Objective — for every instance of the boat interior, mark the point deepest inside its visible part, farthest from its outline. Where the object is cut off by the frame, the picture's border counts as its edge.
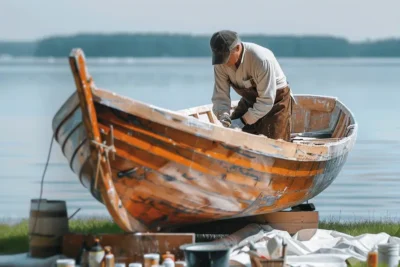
(316, 120)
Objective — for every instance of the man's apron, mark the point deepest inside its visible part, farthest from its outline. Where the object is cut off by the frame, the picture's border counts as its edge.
(277, 123)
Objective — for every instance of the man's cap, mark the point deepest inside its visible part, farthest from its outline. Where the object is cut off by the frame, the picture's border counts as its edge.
(222, 42)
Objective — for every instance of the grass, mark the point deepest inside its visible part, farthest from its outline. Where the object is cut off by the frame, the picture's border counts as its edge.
(363, 227)
(14, 238)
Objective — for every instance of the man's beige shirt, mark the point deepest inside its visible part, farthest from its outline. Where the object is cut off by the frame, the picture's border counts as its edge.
(259, 63)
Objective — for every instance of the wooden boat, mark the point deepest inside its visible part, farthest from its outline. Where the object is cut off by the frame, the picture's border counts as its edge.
(152, 167)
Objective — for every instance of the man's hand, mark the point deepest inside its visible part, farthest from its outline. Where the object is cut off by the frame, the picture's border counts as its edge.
(248, 128)
(225, 119)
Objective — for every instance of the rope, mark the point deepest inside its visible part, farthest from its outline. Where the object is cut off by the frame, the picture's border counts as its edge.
(42, 181)
(73, 214)
(97, 169)
(106, 149)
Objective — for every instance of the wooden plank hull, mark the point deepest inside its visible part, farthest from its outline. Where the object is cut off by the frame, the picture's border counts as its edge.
(171, 168)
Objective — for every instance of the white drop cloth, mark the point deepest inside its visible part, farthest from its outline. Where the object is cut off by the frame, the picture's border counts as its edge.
(23, 260)
(317, 247)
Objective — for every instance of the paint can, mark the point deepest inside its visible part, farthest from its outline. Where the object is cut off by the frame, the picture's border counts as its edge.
(388, 255)
(109, 260)
(151, 259)
(206, 254)
(180, 264)
(168, 255)
(65, 263)
(168, 262)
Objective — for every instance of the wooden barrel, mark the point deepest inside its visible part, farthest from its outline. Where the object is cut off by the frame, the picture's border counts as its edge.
(46, 234)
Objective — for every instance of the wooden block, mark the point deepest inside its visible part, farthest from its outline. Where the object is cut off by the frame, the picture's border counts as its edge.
(259, 262)
(290, 221)
(292, 216)
(130, 248)
(293, 228)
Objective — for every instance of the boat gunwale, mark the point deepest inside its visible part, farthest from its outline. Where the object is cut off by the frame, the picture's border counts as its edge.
(180, 121)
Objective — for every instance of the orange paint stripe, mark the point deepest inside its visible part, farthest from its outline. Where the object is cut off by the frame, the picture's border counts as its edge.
(123, 154)
(160, 152)
(240, 162)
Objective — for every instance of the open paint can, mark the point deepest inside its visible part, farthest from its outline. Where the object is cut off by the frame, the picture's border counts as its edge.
(206, 254)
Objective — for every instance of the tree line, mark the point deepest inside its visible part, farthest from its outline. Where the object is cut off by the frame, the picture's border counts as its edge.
(185, 45)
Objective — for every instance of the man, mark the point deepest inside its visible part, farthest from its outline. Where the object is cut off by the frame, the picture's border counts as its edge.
(255, 74)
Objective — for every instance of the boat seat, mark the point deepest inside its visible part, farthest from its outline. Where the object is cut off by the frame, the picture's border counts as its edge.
(319, 134)
(314, 141)
(320, 137)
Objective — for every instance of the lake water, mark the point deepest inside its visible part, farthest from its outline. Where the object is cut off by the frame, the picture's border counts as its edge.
(32, 90)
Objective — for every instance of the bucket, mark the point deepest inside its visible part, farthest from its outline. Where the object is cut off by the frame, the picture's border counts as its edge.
(46, 234)
(388, 255)
(206, 254)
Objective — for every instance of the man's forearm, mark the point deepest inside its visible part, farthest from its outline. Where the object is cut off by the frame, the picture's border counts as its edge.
(221, 96)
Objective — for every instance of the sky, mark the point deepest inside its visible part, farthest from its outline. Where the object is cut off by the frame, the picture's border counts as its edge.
(355, 20)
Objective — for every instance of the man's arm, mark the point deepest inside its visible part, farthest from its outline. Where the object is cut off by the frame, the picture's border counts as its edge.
(264, 77)
(221, 98)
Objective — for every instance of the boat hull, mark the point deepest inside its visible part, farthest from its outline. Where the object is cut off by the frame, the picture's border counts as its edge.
(166, 177)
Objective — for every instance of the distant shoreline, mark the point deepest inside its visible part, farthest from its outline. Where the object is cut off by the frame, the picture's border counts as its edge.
(194, 46)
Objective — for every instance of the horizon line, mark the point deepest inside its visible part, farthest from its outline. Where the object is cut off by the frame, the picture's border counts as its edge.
(59, 35)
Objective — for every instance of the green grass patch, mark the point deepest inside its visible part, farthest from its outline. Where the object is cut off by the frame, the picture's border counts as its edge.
(94, 226)
(14, 237)
(363, 227)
